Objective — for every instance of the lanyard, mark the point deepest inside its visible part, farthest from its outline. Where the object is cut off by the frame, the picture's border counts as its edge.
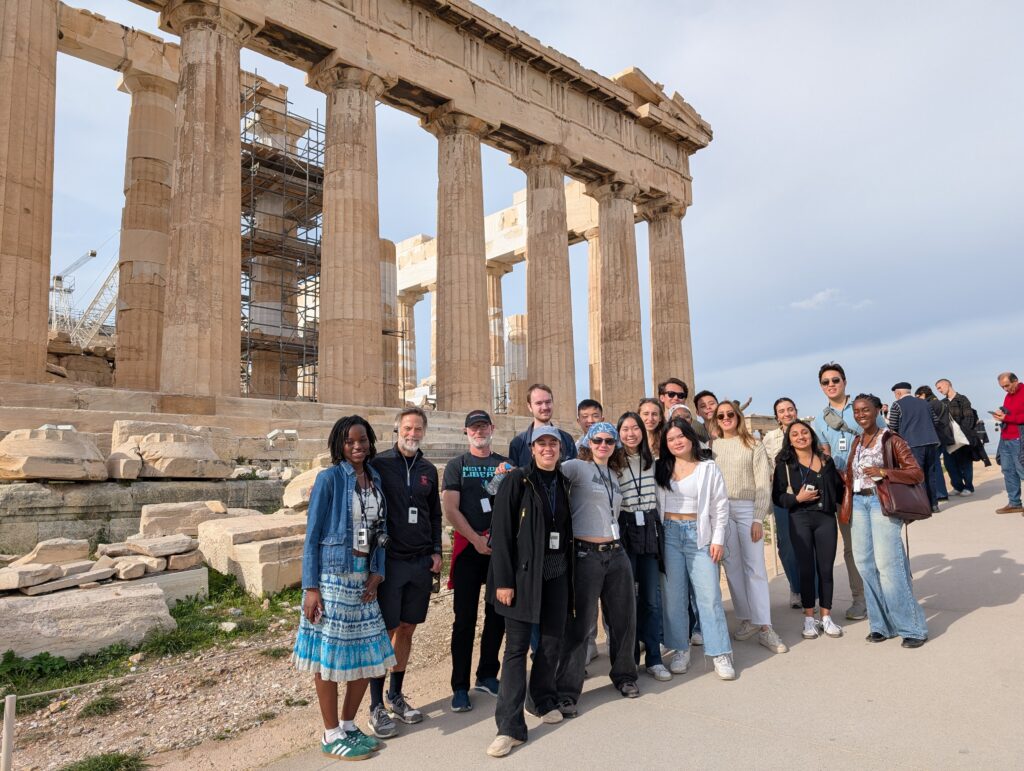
(637, 482)
(408, 475)
(607, 485)
(364, 495)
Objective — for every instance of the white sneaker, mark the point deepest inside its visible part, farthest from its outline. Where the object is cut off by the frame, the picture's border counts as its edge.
(810, 628)
(680, 662)
(746, 630)
(659, 672)
(830, 627)
(552, 717)
(966, 493)
(502, 746)
(795, 601)
(955, 492)
(770, 640)
(724, 668)
(696, 639)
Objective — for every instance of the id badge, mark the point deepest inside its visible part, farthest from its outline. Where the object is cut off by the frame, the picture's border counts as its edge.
(485, 505)
(554, 540)
(843, 443)
(414, 515)
(615, 530)
(639, 519)
(363, 538)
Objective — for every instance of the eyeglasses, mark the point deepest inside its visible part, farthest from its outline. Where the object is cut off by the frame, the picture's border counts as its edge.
(726, 416)
(602, 440)
(833, 381)
(674, 394)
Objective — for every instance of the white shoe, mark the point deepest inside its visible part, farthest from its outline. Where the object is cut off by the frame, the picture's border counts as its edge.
(810, 628)
(552, 717)
(746, 630)
(830, 627)
(795, 601)
(696, 639)
(502, 746)
(966, 493)
(680, 662)
(659, 672)
(724, 668)
(770, 640)
(956, 492)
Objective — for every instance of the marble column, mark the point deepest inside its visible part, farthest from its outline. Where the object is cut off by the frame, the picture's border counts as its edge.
(432, 290)
(496, 320)
(671, 347)
(389, 322)
(145, 230)
(407, 346)
(203, 302)
(621, 365)
(593, 236)
(517, 360)
(548, 288)
(28, 74)
(463, 349)
(351, 363)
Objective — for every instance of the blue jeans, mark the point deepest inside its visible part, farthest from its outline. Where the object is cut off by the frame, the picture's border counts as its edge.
(1012, 464)
(686, 565)
(648, 607)
(884, 567)
(787, 554)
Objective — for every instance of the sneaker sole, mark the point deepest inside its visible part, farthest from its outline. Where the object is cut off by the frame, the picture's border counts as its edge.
(726, 677)
(407, 721)
(332, 756)
(745, 637)
(550, 719)
(807, 636)
(381, 734)
(488, 691)
(829, 634)
(515, 743)
(463, 709)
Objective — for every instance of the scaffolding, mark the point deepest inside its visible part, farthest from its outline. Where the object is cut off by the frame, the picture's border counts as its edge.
(281, 217)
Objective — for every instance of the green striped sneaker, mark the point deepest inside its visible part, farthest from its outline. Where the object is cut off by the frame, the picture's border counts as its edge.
(345, 748)
(367, 741)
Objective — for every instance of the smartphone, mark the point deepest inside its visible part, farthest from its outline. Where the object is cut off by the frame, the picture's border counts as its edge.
(811, 488)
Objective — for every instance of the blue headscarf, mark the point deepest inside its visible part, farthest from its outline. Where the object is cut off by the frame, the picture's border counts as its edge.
(601, 428)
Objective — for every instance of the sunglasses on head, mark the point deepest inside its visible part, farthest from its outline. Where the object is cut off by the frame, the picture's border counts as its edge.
(602, 440)
(674, 394)
(726, 415)
(833, 381)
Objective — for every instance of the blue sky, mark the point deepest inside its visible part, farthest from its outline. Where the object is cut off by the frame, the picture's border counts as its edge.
(860, 201)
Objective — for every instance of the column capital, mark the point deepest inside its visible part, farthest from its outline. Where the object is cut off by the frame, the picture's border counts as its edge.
(591, 233)
(329, 75)
(274, 121)
(446, 121)
(411, 296)
(495, 268)
(542, 155)
(181, 15)
(134, 81)
(664, 206)
(612, 187)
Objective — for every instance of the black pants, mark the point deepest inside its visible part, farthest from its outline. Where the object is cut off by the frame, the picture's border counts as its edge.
(604, 576)
(814, 535)
(554, 609)
(469, 574)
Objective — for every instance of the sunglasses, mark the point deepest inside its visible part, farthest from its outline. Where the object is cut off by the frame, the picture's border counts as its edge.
(602, 440)
(674, 394)
(726, 416)
(833, 381)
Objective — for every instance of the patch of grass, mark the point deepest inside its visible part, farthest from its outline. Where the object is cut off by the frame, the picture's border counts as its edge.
(108, 761)
(263, 717)
(275, 653)
(206, 682)
(45, 673)
(101, 706)
(290, 702)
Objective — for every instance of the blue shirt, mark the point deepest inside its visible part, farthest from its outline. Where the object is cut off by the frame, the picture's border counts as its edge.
(834, 438)
(520, 452)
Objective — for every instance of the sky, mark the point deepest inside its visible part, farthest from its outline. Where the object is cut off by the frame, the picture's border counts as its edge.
(860, 201)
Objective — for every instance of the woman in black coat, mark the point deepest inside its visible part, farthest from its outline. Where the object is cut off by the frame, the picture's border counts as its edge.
(807, 484)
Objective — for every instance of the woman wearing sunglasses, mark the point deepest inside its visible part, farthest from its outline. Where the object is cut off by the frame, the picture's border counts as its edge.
(785, 415)
(601, 572)
(748, 479)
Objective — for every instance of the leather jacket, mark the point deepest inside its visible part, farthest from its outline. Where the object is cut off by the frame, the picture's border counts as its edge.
(906, 471)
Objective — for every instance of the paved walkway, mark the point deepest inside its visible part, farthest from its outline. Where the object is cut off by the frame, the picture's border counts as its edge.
(955, 703)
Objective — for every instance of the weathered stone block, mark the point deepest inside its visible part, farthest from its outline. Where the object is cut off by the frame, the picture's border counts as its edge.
(55, 551)
(27, 575)
(127, 571)
(113, 550)
(180, 584)
(69, 582)
(123, 430)
(161, 546)
(72, 624)
(189, 559)
(152, 564)
(296, 494)
(218, 538)
(78, 566)
(173, 518)
(50, 453)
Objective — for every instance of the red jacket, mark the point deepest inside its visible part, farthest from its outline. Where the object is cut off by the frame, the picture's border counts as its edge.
(1013, 406)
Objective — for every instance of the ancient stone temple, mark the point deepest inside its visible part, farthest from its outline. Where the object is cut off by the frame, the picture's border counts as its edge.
(212, 317)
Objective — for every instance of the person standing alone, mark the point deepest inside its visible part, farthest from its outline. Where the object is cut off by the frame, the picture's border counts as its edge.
(1010, 452)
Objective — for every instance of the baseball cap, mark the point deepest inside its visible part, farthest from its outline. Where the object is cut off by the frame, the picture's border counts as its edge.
(545, 431)
(478, 416)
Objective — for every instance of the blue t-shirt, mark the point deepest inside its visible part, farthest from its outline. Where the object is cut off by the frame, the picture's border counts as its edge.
(840, 440)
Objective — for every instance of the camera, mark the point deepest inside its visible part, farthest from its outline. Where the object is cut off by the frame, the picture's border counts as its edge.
(372, 536)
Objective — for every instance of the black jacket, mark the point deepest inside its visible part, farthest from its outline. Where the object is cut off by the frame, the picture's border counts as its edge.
(831, 492)
(407, 484)
(518, 543)
(942, 428)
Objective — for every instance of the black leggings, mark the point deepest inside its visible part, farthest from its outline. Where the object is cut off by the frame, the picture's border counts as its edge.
(814, 536)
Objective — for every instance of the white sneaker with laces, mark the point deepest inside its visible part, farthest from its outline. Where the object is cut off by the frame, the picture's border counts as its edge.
(502, 746)
(680, 662)
(770, 640)
(810, 628)
(724, 668)
(696, 639)
(746, 630)
(830, 627)
(659, 672)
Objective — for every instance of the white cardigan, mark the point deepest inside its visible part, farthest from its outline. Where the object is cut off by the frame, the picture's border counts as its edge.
(712, 504)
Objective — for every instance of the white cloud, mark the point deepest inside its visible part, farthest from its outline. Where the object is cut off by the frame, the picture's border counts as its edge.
(816, 301)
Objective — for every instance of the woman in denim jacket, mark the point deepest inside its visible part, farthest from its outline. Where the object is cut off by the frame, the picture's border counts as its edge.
(341, 632)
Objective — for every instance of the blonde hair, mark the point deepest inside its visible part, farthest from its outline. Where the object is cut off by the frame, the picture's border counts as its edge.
(741, 424)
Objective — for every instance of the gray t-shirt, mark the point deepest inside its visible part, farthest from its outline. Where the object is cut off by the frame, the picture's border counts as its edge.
(595, 499)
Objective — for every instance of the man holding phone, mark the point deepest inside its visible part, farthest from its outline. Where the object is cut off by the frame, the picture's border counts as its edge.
(1010, 450)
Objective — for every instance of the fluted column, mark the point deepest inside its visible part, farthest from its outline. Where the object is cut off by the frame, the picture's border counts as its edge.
(517, 361)
(145, 230)
(28, 74)
(407, 345)
(202, 303)
(496, 321)
(593, 236)
(351, 361)
(621, 364)
(671, 347)
(389, 322)
(463, 375)
(548, 288)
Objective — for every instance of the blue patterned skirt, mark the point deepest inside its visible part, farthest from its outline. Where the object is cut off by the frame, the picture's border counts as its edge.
(350, 642)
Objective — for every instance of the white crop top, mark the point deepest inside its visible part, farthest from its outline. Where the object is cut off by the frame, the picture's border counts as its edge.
(682, 498)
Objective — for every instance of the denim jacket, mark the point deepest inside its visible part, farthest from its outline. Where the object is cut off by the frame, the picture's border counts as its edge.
(329, 536)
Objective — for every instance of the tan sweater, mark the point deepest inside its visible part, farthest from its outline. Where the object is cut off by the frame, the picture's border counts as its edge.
(747, 472)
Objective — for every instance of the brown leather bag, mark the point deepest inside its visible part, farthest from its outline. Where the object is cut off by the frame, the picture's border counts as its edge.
(908, 502)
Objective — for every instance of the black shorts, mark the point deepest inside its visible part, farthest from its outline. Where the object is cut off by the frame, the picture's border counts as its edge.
(404, 594)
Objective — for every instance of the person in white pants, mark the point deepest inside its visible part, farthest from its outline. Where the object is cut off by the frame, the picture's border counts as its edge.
(747, 471)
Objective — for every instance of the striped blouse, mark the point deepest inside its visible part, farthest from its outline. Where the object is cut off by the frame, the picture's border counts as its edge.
(639, 491)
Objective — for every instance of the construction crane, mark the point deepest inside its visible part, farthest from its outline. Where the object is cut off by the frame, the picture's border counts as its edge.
(61, 289)
(98, 311)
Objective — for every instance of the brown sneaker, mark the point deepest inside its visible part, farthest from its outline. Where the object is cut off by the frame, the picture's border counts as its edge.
(1010, 510)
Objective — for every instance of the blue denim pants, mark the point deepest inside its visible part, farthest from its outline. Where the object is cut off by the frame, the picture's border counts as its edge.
(787, 554)
(883, 564)
(686, 565)
(1012, 464)
(648, 607)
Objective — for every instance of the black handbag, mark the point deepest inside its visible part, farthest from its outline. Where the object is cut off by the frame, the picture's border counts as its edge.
(901, 501)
